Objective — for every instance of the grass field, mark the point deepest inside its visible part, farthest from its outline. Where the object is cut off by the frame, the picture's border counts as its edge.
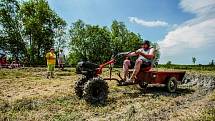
(26, 94)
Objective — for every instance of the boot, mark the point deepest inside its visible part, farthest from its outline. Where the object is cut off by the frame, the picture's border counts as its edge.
(48, 74)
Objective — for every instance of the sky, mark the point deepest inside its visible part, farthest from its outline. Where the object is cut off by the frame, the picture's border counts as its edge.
(183, 28)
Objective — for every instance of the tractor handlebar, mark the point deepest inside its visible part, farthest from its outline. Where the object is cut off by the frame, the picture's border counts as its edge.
(119, 54)
(112, 61)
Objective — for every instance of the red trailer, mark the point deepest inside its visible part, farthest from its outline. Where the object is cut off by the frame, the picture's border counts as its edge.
(170, 78)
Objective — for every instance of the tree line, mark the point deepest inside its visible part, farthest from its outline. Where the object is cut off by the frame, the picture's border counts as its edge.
(97, 44)
(29, 29)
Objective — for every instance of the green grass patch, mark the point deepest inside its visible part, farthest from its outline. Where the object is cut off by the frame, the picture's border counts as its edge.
(212, 97)
(208, 115)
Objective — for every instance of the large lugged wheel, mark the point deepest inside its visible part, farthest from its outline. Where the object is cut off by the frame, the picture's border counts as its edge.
(171, 84)
(79, 86)
(96, 91)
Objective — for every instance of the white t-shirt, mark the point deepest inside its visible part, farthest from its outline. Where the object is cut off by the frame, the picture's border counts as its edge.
(61, 55)
(150, 51)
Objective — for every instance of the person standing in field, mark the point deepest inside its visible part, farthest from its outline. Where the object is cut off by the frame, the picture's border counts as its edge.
(61, 59)
(51, 60)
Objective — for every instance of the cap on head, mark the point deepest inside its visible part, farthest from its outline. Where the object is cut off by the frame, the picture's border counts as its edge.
(52, 48)
(146, 42)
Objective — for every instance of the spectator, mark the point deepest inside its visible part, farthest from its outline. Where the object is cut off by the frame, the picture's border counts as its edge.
(51, 60)
(61, 59)
(15, 63)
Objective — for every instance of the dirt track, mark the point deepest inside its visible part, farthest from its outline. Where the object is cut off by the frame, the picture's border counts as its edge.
(26, 95)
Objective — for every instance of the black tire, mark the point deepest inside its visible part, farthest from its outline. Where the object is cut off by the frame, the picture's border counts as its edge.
(96, 91)
(171, 84)
(79, 86)
(143, 85)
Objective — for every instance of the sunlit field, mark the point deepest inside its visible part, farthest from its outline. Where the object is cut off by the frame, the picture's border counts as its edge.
(91, 35)
(26, 94)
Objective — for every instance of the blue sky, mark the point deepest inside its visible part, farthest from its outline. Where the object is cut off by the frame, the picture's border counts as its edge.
(156, 20)
(103, 12)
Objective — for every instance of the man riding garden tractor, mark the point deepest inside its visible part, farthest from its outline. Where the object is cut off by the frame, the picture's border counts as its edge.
(94, 89)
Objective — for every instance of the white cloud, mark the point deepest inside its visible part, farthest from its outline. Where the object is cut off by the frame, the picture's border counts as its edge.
(199, 7)
(194, 37)
(145, 23)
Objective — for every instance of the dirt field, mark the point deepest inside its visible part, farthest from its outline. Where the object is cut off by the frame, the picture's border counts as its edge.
(26, 94)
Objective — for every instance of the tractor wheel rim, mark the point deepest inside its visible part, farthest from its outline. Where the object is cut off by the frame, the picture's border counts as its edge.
(172, 85)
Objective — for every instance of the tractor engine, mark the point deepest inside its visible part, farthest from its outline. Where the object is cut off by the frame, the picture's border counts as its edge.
(87, 69)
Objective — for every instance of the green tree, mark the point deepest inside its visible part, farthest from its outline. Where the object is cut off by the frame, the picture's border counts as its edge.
(168, 63)
(118, 32)
(89, 42)
(77, 41)
(97, 44)
(194, 60)
(123, 40)
(211, 63)
(60, 39)
(41, 26)
(10, 29)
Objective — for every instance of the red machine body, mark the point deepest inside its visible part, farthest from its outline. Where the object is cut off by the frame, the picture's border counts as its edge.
(147, 75)
(159, 77)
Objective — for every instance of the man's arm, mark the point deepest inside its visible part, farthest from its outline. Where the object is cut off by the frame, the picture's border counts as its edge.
(148, 56)
(132, 54)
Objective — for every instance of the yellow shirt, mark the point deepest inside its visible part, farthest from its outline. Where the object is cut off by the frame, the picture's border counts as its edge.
(51, 58)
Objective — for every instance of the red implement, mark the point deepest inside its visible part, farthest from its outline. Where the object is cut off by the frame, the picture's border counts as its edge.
(159, 77)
